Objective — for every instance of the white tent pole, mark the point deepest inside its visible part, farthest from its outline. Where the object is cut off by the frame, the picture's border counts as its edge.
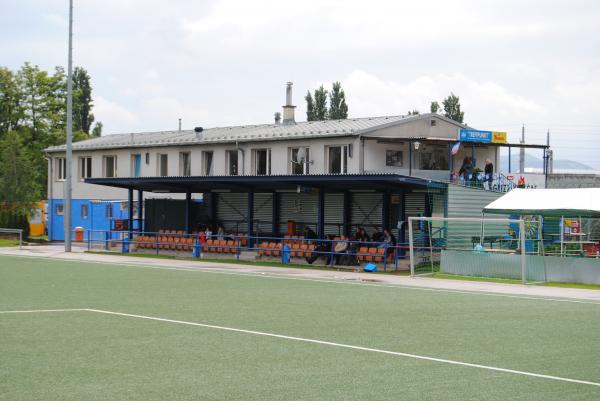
(411, 252)
(482, 229)
(562, 233)
(522, 241)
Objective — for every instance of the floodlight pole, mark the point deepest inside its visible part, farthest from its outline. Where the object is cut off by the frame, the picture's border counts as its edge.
(69, 155)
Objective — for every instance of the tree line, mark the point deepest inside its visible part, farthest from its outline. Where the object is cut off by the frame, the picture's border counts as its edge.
(317, 109)
(33, 116)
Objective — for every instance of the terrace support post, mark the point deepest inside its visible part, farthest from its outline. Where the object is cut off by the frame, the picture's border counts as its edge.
(212, 213)
(509, 161)
(403, 222)
(275, 214)
(250, 217)
(473, 155)
(188, 214)
(347, 213)
(450, 161)
(140, 210)
(385, 210)
(130, 210)
(410, 158)
(321, 215)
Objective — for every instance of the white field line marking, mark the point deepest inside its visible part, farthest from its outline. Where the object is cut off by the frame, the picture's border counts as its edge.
(43, 311)
(354, 347)
(282, 276)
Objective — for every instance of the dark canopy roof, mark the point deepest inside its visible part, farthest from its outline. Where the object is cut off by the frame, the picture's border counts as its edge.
(267, 183)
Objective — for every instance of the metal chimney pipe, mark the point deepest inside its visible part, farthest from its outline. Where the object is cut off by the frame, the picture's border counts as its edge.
(288, 109)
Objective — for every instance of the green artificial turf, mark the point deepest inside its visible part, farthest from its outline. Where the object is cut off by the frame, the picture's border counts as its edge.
(269, 263)
(89, 356)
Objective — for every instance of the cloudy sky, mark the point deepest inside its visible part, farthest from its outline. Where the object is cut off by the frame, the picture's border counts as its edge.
(225, 62)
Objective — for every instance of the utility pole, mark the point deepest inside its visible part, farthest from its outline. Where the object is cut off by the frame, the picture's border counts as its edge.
(522, 151)
(69, 155)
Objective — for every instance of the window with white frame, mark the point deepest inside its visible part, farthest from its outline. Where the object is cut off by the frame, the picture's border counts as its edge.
(59, 209)
(207, 163)
(110, 166)
(61, 168)
(299, 160)
(232, 162)
(393, 158)
(337, 159)
(162, 160)
(262, 161)
(85, 167)
(185, 164)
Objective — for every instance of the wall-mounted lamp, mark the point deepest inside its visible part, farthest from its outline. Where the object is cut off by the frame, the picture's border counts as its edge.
(417, 144)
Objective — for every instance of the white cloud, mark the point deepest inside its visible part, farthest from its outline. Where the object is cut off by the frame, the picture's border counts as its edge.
(165, 112)
(582, 96)
(56, 19)
(113, 115)
(482, 101)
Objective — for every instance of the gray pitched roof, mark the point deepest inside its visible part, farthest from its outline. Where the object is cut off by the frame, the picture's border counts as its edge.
(242, 133)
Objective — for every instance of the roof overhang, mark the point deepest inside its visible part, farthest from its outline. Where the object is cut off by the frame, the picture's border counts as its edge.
(390, 139)
(269, 183)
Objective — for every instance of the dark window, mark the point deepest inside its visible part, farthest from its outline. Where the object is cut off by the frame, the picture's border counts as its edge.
(84, 212)
(163, 165)
(110, 166)
(263, 161)
(434, 158)
(393, 158)
(185, 164)
(299, 160)
(60, 209)
(207, 168)
(85, 167)
(232, 162)
(338, 159)
(61, 168)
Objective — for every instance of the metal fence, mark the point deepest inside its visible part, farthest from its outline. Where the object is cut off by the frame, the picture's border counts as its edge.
(17, 231)
(336, 252)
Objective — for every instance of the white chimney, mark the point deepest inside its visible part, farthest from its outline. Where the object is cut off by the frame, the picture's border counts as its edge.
(288, 109)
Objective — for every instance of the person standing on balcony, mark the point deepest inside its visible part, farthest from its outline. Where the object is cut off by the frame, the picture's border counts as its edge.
(466, 170)
(489, 173)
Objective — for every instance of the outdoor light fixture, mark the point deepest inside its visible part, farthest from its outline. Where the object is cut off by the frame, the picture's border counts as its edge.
(417, 144)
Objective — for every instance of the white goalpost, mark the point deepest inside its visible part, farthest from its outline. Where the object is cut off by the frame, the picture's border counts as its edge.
(480, 247)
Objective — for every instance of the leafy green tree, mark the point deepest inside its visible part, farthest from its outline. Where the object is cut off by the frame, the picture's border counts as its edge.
(11, 98)
(82, 101)
(338, 109)
(434, 108)
(18, 181)
(33, 106)
(310, 107)
(321, 104)
(413, 113)
(452, 108)
(97, 131)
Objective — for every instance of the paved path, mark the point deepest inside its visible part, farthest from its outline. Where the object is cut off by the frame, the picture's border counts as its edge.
(57, 252)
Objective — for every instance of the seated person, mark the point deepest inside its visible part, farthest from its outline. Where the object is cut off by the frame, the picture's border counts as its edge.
(377, 235)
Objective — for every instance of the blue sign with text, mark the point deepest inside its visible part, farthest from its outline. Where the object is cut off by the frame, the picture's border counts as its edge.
(472, 135)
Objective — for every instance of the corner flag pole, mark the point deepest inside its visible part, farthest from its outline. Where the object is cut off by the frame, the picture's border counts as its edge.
(69, 155)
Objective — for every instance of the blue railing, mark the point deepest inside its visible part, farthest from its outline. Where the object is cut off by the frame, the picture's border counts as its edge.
(337, 252)
(498, 182)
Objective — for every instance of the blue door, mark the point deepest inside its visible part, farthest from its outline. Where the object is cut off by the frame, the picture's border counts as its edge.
(137, 164)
